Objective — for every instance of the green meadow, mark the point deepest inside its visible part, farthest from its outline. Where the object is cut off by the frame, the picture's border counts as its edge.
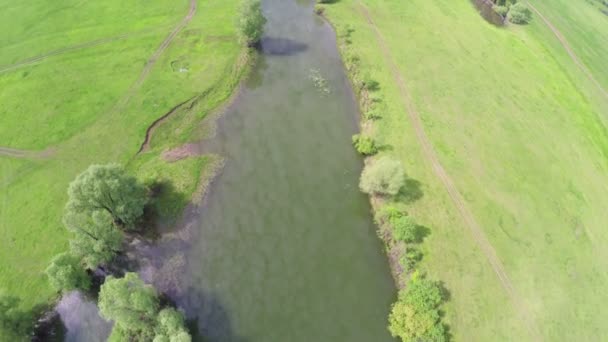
(519, 129)
(90, 102)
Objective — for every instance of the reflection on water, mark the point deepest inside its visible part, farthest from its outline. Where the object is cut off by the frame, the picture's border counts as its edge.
(81, 319)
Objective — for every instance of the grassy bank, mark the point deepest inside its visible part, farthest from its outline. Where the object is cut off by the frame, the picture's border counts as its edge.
(520, 134)
(93, 105)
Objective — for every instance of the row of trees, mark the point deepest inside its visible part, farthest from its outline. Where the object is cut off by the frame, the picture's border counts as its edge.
(104, 203)
(415, 315)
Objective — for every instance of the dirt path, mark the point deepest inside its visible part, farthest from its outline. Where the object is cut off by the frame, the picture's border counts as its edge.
(92, 43)
(457, 199)
(16, 153)
(569, 50)
(159, 51)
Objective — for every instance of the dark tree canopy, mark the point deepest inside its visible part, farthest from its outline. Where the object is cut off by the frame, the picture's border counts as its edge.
(15, 324)
(110, 189)
(66, 273)
(95, 239)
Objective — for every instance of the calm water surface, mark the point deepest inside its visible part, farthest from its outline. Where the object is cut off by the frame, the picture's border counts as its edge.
(284, 248)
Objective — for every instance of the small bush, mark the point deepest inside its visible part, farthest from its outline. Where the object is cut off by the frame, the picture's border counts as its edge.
(372, 114)
(387, 213)
(404, 228)
(410, 259)
(519, 14)
(365, 145)
(66, 273)
(251, 22)
(384, 176)
(501, 10)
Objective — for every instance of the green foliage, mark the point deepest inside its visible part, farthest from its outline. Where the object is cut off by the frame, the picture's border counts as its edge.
(365, 145)
(372, 114)
(501, 10)
(415, 316)
(134, 308)
(108, 188)
(66, 273)
(251, 22)
(95, 239)
(519, 14)
(387, 213)
(409, 260)
(384, 176)
(15, 324)
(170, 327)
(404, 228)
(131, 304)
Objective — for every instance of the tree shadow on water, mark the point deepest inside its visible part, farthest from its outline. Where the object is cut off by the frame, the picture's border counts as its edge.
(277, 46)
(208, 319)
(410, 192)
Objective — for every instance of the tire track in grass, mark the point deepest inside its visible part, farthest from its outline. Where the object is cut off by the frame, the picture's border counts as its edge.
(16, 153)
(32, 60)
(431, 157)
(569, 50)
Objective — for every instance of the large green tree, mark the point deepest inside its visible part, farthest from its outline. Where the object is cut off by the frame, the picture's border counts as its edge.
(66, 273)
(251, 22)
(108, 188)
(131, 304)
(95, 239)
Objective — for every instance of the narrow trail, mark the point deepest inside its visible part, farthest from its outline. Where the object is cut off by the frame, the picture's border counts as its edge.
(145, 146)
(16, 153)
(569, 50)
(154, 58)
(32, 60)
(457, 199)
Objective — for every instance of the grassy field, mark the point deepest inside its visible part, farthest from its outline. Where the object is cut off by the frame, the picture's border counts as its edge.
(86, 105)
(519, 129)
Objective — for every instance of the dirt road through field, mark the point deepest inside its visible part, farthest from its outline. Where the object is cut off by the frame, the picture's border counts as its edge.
(457, 199)
(569, 50)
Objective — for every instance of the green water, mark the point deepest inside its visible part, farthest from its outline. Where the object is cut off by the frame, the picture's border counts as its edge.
(285, 248)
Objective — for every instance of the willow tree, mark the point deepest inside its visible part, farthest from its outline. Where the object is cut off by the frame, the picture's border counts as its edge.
(66, 273)
(108, 188)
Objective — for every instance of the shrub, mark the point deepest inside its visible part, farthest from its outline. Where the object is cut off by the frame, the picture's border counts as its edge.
(387, 213)
(372, 114)
(251, 22)
(15, 324)
(404, 228)
(384, 176)
(519, 14)
(365, 145)
(409, 260)
(501, 10)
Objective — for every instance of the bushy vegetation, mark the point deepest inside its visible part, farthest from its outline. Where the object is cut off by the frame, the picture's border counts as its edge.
(365, 145)
(384, 176)
(66, 273)
(15, 324)
(502, 10)
(415, 316)
(135, 309)
(519, 14)
(404, 228)
(251, 22)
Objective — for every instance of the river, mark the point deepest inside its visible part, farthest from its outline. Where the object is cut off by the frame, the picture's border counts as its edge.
(284, 247)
